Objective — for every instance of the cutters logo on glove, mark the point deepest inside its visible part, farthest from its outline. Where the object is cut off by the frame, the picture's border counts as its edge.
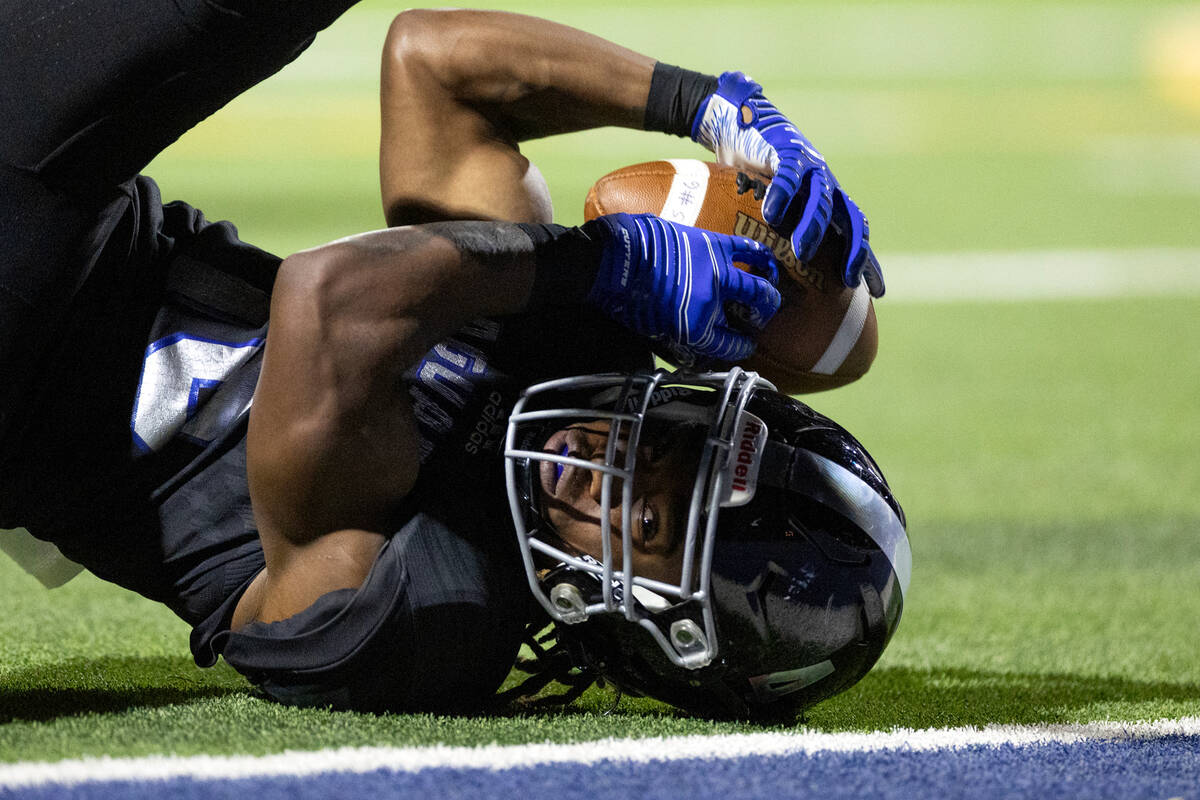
(628, 257)
(671, 283)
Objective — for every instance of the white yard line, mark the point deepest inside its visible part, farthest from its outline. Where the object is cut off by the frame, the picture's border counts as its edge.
(633, 751)
(1041, 274)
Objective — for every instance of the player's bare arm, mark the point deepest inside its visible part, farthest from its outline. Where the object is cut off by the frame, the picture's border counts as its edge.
(460, 89)
(332, 442)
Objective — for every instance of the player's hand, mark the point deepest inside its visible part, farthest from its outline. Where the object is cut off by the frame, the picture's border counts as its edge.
(859, 259)
(671, 282)
(744, 129)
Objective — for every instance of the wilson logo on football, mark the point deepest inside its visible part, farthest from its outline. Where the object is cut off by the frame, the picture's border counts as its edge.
(759, 231)
(741, 471)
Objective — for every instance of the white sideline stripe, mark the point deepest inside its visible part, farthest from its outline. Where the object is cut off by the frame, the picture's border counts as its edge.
(688, 190)
(632, 751)
(1041, 274)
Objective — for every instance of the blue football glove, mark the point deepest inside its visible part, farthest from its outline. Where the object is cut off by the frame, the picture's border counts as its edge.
(670, 283)
(745, 130)
(859, 259)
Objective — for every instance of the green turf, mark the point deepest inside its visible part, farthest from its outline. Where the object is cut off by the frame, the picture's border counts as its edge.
(1053, 515)
(1045, 452)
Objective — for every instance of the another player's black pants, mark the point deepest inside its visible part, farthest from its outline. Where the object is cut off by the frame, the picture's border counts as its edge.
(90, 92)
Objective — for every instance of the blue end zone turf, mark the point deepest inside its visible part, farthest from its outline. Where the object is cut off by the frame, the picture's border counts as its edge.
(1166, 767)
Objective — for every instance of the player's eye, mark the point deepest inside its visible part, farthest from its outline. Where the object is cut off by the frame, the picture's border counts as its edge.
(649, 522)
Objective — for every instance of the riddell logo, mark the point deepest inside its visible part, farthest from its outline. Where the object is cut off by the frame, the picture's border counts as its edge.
(744, 461)
(747, 454)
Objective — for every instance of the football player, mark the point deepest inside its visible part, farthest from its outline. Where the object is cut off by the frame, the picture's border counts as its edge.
(326, 505)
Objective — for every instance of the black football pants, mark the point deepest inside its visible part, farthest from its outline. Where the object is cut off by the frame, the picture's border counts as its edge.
(90, 92)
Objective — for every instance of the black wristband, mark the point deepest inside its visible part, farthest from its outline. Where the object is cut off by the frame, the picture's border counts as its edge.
(675, 97)
(566, 262)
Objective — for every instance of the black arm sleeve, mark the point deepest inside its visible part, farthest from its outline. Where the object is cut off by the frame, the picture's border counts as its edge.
(567, 260)
(675, 97)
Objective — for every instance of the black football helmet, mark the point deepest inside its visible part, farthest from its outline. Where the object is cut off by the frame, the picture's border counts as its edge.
(796, 559)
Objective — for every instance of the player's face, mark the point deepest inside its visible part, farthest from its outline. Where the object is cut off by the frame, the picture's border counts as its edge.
(667, 459)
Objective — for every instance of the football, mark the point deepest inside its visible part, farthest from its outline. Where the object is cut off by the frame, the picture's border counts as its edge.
(824, 334)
